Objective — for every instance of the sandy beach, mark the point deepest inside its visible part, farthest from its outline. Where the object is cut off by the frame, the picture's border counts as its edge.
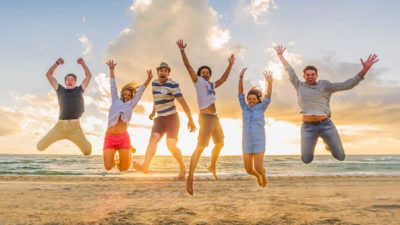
(116, 200)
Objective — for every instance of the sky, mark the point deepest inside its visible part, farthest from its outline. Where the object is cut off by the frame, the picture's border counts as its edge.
(139, 34)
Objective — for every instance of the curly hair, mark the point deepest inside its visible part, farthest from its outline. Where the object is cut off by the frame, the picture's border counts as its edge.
(203, 67)
(255, 91)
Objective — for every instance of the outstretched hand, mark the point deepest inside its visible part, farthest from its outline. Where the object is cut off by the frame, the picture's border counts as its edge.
(60, 61)
(149, 74)
(268, 76)
(242, 72)
(181, 44)
(279, 49)
(372, 59)
(152, 114)
(111, 64)
(231, 59)
(80, 61)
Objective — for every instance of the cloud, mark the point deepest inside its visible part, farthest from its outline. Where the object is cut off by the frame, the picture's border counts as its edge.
(9, 123)
(258, 8)
(86, 45)
(157, 26)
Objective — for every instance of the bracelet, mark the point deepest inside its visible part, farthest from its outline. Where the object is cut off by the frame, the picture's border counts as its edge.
(57, 63)
(182, 49)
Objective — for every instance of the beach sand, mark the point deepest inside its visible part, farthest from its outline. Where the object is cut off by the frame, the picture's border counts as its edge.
(124, 200)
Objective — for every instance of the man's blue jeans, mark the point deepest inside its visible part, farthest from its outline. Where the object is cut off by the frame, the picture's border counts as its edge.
(310, 132)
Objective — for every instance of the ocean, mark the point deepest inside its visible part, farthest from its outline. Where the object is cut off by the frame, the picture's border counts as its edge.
(228, 167)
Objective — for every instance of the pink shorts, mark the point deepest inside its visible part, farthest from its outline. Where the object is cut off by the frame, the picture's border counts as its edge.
(117, 141)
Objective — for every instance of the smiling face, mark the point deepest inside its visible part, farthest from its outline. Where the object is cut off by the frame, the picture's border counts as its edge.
(204, 72)
(310, 75)
(163, 74)
(70, 81)
(252, 100)
(126, 95)
(253, 97)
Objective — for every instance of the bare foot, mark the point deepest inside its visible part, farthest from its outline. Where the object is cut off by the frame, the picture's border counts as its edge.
(182, 174)
(133, 149)
(189, 185)
(139, 167)
(213, 171)
(264, 180)
(116, 163)
(260, 181)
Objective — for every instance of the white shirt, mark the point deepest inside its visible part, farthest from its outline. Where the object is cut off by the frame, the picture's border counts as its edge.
(205, 92)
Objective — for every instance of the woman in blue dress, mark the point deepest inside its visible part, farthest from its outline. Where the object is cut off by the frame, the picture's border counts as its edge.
(253, 136)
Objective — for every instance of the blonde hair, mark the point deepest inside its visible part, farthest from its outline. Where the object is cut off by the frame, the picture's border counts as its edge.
(132, 86)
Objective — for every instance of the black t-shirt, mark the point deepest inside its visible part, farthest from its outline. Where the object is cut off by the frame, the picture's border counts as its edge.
(71, 102)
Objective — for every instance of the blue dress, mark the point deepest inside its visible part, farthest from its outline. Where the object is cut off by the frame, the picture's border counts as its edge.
(253, 134)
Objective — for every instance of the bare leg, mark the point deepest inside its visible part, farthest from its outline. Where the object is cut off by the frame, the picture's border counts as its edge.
(124, 159)
(193, 163)
(215, 154)
(248, 165)
(150, 152)
(108, 158)
(259, 166)
(171, 144)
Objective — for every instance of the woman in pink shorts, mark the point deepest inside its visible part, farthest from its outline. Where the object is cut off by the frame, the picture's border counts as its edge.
(117, 137)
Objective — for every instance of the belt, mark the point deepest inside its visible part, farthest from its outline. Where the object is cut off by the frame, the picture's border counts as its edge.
(316, 122)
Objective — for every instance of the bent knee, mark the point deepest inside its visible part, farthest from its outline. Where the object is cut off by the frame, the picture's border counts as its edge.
(340, 157)
(171, 146)
(307, 159)
(40, 147)
(260, 169)
(108, 166)
(87, 150)
(219, 145)
(123, 168)
(249, 171)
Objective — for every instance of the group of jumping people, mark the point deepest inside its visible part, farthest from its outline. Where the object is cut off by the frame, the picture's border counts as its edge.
(313, 99)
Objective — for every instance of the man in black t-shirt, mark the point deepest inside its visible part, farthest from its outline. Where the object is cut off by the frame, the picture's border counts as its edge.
(70, 100)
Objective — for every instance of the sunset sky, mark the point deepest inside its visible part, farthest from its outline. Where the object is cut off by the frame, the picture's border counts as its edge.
(332, 35)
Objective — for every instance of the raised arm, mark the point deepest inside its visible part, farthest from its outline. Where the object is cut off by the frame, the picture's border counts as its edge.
(113, 86)
(149, 77)
(241, 97)
(140, 90)
(279, 51)
(267, 99)
(50, 73)
(352, 82)
(189, 68)
(185, 107)
(224, 76)
(372, 59)
(292, 74)
(240, 85)
(269, 79)
(88, 74)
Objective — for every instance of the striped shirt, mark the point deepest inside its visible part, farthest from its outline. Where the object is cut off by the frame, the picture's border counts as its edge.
(164, 96)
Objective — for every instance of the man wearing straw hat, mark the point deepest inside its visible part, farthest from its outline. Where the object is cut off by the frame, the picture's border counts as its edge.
(165, 91)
